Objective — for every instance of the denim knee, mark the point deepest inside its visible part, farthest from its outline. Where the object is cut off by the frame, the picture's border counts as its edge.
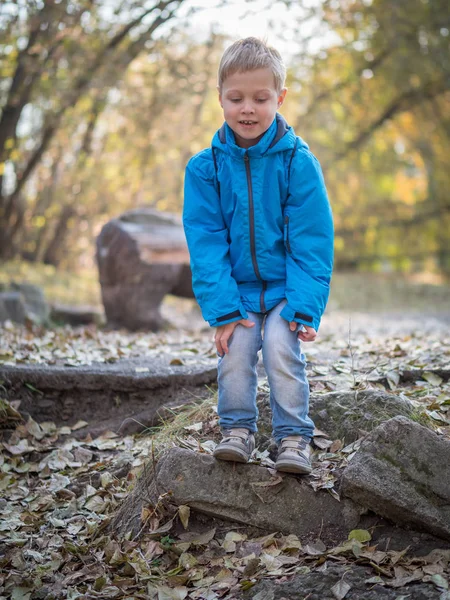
(281, 348)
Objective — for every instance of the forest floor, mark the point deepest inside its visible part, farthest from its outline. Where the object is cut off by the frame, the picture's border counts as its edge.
(59, 491)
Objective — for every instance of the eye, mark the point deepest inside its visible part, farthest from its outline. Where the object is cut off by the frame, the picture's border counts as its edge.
(261, 100)
(235, 100)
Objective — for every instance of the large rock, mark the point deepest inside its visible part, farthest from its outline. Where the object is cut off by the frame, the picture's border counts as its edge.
(347, 414)
(12, 307)
(37, 307)
(22, 301)
(318, 585)
(247, 494)
(142, 256)
(402, 472)
(342, 415)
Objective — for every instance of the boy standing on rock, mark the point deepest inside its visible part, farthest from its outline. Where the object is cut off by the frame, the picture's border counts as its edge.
(260, 235)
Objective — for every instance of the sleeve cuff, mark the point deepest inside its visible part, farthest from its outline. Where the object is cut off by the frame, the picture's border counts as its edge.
(235, 315)
(289, 314)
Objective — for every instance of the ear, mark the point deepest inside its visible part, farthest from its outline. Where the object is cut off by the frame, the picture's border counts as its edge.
(282, 96)
(220, 96)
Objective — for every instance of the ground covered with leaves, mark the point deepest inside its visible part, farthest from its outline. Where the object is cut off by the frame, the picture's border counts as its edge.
(60, 490)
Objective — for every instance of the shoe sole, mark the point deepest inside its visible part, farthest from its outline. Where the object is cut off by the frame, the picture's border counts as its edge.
(231, 455)
(291, 467)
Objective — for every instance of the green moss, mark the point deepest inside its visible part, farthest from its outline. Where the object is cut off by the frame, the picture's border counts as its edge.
(421, 466)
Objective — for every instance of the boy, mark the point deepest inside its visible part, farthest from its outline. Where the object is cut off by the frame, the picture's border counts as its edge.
(260, 235)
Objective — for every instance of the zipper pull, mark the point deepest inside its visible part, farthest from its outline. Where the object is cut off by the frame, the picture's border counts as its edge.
(246, 158)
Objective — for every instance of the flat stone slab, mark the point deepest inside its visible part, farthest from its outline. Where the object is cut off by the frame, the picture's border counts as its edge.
(125, 396)
(244, 493)
(76, 315)
(125, 374)
(402, 473)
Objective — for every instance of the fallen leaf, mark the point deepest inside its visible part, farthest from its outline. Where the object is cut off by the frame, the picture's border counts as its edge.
(95, 504)
(234, 536)
(79, 425)
(340, 590)
(322, 443)
(177, 362)
(376, 580)
(163, 529)
(432, 378)
(34, 429)
(21, 593)
(291, 542)
(184, 514)
(393, 379)
(438, 580)
(315, 548)
(198, 539)
(336, 446)
(229, 546)
(360, 535)
(194, 427)
(187, 561)
(23, 447)
(176, 593)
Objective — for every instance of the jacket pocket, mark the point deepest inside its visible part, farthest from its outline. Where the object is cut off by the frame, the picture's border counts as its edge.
(287, 242)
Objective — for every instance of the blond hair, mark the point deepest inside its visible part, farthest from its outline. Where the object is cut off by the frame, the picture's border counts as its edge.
(250, 54)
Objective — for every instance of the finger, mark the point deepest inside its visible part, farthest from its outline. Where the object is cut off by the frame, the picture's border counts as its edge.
(293, 325)
(306, 333)
(247, 323)
(307, 336)
(218, 346)
(224, 342)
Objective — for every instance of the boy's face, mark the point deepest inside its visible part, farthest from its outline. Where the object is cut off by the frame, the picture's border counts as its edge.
(250, 101)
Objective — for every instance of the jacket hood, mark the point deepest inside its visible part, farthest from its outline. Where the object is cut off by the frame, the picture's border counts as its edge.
(279, 137)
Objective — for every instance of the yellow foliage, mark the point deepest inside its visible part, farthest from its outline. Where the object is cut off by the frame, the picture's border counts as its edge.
(408, 189)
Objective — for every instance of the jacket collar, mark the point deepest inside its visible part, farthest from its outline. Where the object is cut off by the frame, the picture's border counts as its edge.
(278, 137)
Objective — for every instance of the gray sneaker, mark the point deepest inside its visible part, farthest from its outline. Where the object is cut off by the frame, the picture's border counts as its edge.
(294, 455)
(236, 445)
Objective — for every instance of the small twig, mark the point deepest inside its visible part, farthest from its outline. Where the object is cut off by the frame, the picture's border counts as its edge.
(154, 463)
(320, 532)
(350, 348)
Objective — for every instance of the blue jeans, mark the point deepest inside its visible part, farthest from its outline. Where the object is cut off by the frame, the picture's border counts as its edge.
(285, 366)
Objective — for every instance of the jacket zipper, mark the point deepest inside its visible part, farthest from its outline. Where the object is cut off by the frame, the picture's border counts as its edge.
(288, 243)
(252, 231)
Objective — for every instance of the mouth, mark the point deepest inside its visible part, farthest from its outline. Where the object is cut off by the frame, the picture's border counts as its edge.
(248, 122)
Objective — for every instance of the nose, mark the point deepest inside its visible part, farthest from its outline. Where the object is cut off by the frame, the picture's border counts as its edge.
(247, 107)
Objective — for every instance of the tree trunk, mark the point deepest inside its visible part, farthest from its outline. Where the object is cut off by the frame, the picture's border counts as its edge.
(52, 254)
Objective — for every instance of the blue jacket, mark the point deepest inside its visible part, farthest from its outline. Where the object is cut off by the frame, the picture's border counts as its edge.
(259, 228)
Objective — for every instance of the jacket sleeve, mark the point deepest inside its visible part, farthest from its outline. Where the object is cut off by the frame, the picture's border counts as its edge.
(207, 237)
(309, 236)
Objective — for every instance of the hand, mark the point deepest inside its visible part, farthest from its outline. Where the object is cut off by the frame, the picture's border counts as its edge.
(224, 332)
(309, 335)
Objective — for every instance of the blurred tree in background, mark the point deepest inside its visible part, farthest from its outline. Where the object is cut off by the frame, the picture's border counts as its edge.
(375, 107)
(102, 107)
